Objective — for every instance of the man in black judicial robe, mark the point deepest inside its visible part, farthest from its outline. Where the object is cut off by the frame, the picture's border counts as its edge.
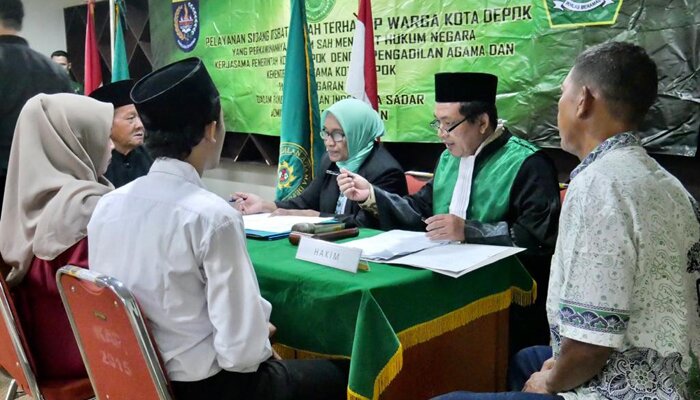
(522, 210)
(130, 159)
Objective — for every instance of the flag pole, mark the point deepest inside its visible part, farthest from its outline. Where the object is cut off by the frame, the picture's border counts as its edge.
(111, 32)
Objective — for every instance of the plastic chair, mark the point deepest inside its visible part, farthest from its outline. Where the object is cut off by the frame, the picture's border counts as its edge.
(416, 180)
(16, 360)
(563, 187)
(113, 338)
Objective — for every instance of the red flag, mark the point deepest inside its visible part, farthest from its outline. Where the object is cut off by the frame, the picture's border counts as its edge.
(93, 70)
(362, 75)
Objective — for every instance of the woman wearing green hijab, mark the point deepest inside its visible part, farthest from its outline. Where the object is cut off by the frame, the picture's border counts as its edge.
(350, 130)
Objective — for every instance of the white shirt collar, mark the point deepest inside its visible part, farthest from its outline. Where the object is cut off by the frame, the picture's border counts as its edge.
(172, 166)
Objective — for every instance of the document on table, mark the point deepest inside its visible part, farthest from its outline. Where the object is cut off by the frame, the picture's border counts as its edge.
(391, 244)
(456, 260)
(416, 250)
(263, 226)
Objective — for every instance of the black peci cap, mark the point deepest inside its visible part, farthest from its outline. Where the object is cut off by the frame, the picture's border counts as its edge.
(116, 93)
(455, 87)
(177, 95)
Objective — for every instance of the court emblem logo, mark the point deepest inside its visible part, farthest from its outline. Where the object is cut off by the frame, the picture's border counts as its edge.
(317, 10)
(186, 24)
(577, 13)
(294, 170)
(286, 176)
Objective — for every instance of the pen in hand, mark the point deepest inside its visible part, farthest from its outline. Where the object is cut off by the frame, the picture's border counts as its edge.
(336, 173)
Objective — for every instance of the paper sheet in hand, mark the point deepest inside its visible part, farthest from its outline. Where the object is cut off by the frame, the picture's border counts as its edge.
(267, 227)
(391, 244)
(456, 260)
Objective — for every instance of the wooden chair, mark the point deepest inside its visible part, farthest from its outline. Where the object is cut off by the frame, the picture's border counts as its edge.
(16, 360)
(119, 353)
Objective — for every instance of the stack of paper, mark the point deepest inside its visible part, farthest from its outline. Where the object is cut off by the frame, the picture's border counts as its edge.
(263, 226)
(414, 249)
(456, 260)
(391, 244)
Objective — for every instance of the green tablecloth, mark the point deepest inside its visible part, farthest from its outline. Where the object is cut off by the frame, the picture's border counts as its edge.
(372, 316)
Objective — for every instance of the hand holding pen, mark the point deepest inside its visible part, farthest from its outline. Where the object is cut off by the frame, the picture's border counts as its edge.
(249, 203)
(354, 186)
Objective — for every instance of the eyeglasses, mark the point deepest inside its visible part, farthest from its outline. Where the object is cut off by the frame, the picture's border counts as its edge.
(437, 125)
(336, 136)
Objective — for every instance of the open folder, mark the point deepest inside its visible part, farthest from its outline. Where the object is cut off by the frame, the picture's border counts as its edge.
(265, 235)
(265, 227)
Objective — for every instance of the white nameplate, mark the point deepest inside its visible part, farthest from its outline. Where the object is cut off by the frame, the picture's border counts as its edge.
(329, 254)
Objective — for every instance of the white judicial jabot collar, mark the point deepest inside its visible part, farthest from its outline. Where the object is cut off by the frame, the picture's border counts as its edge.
(459, 204)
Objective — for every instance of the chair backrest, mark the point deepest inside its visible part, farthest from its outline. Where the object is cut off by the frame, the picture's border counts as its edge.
(563, 187)
(14, 357)
(114, 341)
(416, 180)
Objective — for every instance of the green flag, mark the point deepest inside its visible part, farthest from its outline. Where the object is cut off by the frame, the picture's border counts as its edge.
(120, 66)
(301, 146)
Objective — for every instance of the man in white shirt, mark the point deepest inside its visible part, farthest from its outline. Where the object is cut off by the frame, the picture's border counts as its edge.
(623, 292)
(181, 250)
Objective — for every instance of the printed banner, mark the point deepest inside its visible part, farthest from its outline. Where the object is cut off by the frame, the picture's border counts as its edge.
(530, 45)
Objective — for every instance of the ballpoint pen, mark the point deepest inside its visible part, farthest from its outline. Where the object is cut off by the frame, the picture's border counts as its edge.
(336, 173)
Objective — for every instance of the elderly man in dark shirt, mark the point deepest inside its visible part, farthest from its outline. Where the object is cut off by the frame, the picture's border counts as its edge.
(129, 158)
(23, 74)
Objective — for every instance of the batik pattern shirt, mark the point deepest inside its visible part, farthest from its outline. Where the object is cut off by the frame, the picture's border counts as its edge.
(620, 273)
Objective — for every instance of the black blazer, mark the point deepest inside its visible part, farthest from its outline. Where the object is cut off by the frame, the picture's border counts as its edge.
(24, 73)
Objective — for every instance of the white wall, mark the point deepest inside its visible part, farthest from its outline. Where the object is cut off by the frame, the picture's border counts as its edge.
(44, 27)
(249, 177)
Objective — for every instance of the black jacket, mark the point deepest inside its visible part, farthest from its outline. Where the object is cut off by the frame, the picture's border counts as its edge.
(379, 168)
(125, 168)
(24, 73)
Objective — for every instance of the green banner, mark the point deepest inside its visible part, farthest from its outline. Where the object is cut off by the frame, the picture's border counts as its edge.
(530, 45)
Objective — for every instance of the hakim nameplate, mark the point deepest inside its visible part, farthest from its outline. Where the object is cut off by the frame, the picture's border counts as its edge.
(329, 254)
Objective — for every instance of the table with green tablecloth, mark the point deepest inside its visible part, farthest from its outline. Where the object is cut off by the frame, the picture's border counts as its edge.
(394, 322)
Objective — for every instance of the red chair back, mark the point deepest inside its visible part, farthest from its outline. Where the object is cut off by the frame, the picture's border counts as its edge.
(14, 357)
(113, 338)
(416, 180)
(563, 187)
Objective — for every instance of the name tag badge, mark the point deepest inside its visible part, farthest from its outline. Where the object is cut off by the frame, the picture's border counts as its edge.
(329, 254)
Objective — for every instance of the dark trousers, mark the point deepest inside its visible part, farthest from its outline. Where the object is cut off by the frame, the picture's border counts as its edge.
(524, 364)
(274, 380)
(529, 325)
